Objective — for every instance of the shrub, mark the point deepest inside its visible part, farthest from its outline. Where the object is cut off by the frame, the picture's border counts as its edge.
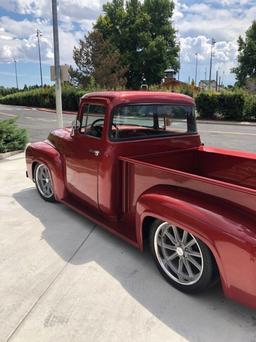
(231, 106)
(45, 98)
(41, 97)
(71, 97)
(250, 107)
(207, 105)
(12, 137)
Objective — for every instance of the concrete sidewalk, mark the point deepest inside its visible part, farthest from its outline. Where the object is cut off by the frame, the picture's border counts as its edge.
(64, 279)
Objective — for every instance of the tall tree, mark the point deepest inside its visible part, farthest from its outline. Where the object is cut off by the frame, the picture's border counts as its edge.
(97, 59)
(247, 56)
(143, 34)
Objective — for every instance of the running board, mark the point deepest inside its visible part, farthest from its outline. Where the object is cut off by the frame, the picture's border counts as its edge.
(100, 220)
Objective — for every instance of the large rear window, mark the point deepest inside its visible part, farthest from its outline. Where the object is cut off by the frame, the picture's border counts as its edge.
(138, 121)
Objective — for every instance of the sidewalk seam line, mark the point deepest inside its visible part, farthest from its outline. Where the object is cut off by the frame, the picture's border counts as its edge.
(11, 335)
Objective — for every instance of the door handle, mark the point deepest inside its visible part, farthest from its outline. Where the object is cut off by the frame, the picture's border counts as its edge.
(96, 153)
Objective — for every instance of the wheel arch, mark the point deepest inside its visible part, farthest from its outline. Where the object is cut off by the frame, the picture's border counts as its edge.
(220, 226)
(34, 164)
(45, 153)
(150, 208)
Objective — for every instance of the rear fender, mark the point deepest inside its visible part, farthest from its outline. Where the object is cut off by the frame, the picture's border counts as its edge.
(228, 231)
(45, 152)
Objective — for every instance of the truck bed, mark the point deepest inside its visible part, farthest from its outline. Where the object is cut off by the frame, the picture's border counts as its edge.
(220, 174)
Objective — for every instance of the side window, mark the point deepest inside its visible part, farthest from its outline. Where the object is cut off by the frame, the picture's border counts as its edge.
(92, 121)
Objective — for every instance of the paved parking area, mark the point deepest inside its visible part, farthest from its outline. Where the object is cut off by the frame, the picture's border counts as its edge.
(64, 279)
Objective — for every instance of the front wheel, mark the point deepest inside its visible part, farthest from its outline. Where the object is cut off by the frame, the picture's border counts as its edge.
(43, 182)
(184, 261)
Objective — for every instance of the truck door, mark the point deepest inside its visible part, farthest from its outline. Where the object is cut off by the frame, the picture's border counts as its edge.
(85, 152)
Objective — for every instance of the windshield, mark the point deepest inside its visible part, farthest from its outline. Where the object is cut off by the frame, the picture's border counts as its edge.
(148, 120)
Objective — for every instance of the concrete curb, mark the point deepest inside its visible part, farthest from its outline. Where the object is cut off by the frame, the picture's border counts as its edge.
(228, 123)
(9, 154)
(49, 110)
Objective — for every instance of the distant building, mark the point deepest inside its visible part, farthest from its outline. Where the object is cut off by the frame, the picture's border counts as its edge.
(169, 79)
(170, 73)
(204, 84)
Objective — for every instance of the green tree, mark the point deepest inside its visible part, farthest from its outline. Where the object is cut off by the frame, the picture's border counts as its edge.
(247, 56)
(97, 60)
(144, 36)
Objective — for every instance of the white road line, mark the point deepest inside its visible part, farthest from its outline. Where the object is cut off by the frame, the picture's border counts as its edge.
(7, 114)
(39, 119)
(227, 132)
(47, 120)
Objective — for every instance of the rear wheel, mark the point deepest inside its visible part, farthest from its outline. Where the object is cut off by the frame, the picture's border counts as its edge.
(43, 182)
(184, 260)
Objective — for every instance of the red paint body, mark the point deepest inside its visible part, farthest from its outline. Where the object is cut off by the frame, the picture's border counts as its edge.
(210, 192)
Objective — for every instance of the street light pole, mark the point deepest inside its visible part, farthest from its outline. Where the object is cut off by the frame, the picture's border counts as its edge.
(39, 34)
(57, 63)
(196, 54)
(15, 66)
(179, 63)
(210, 72)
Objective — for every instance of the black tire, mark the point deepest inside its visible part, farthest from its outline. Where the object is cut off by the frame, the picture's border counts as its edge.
(46, 195)
(160, 245)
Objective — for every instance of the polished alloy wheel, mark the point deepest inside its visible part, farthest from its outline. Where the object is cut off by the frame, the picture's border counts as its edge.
(178, 254)
(43, 181)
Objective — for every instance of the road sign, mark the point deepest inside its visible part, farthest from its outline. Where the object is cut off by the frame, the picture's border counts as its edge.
(64, 74)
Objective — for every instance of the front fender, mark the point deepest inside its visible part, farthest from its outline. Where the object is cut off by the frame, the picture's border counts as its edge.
(228, 231)
(46, 153)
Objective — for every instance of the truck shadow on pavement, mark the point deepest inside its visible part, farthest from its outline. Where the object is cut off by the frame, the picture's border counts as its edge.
(209, 316)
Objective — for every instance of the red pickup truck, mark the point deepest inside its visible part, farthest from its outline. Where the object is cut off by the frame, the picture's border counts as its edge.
(133, 162)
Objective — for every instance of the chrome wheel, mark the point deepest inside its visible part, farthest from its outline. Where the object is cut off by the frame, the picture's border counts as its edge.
(43, 181)
(179, 254)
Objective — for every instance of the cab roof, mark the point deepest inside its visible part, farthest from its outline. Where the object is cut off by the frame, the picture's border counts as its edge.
(139, 96)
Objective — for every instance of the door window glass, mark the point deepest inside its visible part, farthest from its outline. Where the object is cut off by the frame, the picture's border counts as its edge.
(92, 121)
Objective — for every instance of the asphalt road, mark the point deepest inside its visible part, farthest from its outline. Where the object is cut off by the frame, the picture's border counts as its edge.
(40, 123)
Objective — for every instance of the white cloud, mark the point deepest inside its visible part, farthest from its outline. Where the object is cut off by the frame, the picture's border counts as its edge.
(18, 40)
(224, 56)
(75, 9)
(222, 23)
(196, 23)
(18, 37)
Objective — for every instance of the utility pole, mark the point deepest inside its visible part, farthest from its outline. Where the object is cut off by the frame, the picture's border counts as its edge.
(217, 79)
(15, 66)
(39, 34)
(213, 42)
(179, 63)
(57, 63)
(223, 77)
(196, 54)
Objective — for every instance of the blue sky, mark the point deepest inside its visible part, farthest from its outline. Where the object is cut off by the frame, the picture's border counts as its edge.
(196, 23)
